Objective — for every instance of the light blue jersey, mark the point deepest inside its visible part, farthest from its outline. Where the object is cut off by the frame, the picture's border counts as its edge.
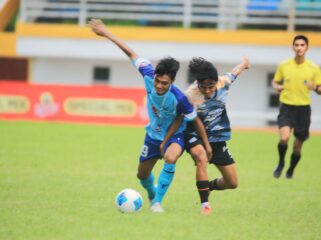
(163, 109)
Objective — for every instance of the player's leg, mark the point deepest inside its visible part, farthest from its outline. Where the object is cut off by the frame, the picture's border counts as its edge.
(228, 180)
(284, 133)
(173, 150)
(149, 155)
(295, 157)
(224, 161)
(166, 175)
(199, 155)
(302, 122)
(285, 124)
(146, 176)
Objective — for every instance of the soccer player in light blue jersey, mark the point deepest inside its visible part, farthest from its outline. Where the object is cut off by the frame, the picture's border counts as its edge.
(164, 103)
(208, 94)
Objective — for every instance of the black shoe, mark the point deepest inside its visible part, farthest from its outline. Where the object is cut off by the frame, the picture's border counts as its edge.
(289, 174)
(278, 171)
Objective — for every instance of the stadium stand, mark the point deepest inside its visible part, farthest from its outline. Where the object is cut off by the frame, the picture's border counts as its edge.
(51, 42)
(219, 14)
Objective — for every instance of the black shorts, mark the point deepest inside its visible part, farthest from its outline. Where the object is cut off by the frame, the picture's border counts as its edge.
(296, 117)
(221, 155)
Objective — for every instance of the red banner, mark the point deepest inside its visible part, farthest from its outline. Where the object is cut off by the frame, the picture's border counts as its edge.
(90, 104)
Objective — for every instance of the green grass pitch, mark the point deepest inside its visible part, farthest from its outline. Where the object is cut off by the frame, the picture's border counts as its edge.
(59, 181)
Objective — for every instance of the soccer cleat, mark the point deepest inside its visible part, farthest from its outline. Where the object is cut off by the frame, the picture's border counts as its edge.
(157, 208)
(289, 174)
(206, 209)
(150, 200)
(278, 171)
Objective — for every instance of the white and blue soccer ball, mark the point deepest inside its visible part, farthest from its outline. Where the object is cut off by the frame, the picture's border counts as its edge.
(129, 201)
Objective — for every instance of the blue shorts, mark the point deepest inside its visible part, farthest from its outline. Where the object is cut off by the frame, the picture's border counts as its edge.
(151, 149)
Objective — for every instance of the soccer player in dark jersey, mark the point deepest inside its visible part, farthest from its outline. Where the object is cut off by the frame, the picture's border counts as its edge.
(164, 102)
(208, 95)
(294, 79)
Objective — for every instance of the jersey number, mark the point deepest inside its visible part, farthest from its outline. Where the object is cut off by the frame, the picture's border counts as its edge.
(144, 152)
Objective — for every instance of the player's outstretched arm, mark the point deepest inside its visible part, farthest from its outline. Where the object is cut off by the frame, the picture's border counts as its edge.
(237, 70)
(99, 28)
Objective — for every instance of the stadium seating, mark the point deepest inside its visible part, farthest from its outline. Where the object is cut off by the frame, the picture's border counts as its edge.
(191, 13)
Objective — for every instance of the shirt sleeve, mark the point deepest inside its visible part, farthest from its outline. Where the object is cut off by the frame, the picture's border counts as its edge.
(230, 79)
(278, 77)
(186, 108)
(144, 66)
(317, 77)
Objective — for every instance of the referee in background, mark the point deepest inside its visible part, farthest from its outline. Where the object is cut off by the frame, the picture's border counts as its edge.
(294, 79)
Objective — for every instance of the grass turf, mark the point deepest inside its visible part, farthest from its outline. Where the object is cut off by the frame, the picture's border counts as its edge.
(59, 181)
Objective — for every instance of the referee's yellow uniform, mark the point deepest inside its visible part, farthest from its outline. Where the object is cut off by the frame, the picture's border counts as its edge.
(294, 78)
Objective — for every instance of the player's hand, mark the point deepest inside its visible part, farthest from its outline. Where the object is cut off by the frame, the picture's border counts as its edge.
(162, 149)
(279, 88)
(209, 151)
(310, 85)
(245, 62)
(237, 70)
(98, 27)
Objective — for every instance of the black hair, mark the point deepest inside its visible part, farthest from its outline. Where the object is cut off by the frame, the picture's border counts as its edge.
(167, 66)
(202, 69)
(304, 38)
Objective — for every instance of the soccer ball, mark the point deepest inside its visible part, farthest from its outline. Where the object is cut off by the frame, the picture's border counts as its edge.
(129, 201)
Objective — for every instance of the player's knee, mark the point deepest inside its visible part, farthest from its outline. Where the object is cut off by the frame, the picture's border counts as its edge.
(201, 161)
(297, 151)
(232, 184)
(284, 140)
(297, 146)
(200, 157)
(171, 158)
(141, 175)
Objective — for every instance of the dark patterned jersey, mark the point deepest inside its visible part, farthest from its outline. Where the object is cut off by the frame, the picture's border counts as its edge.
(212, 111)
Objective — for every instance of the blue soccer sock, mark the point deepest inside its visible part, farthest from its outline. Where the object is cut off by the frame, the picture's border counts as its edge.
(165, 178)
(148, 184)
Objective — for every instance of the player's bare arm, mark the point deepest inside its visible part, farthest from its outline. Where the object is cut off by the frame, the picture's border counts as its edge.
(313, 87)
(199, 128)
(171, 131)
(99, 28)
(277, 87)
(236, 71)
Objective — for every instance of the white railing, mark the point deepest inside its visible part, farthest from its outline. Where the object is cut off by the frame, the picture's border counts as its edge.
(222, 14)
